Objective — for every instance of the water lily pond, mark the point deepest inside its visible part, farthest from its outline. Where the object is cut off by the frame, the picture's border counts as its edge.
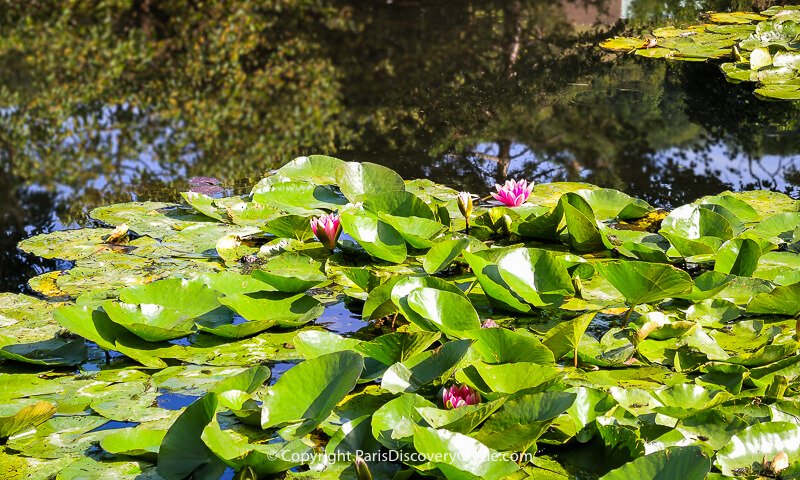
(492, 240)
(507, 338)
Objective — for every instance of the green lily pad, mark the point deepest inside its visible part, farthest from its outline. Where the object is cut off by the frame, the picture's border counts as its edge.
(500, 293)
(624, 44)
(166, 309)
(780, 301)
(425, 368)
(299, 198)
(154, 219)
(318, 169)
(522, 420)
(397, 346)
(356, 179)
(291, 226)
(748, 448)
(401, 289)
(508, 378)
(305, 395)
(463, 419)
(463, 457)
(642, 282)
(498, 345)
(781, 268)
(264, 310)
(393, 423)
(378, 238)
(58, 437)
(566, 336)
(582, 232)
(442, 254)
(735, 17)
(134, 442)
(205, 205)
(677, 462)
(609, 204)
(535, 275)
(67, 244)
(182, 452)
(449, 312)
(313, 343)
(291, 272)
(738, 256)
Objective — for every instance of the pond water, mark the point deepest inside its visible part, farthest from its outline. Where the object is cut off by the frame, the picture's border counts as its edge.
(100, 107)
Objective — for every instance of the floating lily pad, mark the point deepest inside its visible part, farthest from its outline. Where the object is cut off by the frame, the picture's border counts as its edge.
(642, 282)
(746, 451)
(318, 169)
(266, 309)
(155, 219)
(67, 244)
(356, 179)
(461, 455)
(291, 272)
(305, 395)
(764, 47)
(299, 198)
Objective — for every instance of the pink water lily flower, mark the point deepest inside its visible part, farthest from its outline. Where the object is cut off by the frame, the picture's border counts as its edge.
(513, 193)
(458, 396)
(327, 229)
(489, 323)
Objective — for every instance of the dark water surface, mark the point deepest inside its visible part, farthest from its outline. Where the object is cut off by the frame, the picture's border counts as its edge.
(105, 104)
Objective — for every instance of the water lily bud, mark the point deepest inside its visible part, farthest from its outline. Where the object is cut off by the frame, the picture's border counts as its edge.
(327, 229)
(362, 469)
(465, 204)
(489, 323)
(458, 396)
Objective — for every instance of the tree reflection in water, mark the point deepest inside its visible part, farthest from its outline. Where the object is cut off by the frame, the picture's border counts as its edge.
(116, 100)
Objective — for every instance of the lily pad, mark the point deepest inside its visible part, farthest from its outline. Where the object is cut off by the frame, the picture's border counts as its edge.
(291, 272)
(678, 462)
(642, 282)
(67, 244)
(263, 310)
(461, 455)
(318, 169)
(356, 179)
(747, 449)
(305, 395)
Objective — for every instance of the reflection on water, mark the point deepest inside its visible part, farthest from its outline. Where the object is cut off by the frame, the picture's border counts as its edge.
(108, 103)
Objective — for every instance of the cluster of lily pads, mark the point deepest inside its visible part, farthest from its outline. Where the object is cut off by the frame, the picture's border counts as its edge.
(759, 47)
(557, 330)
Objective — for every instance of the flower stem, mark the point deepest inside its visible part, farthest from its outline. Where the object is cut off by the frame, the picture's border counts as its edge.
(627, 316)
